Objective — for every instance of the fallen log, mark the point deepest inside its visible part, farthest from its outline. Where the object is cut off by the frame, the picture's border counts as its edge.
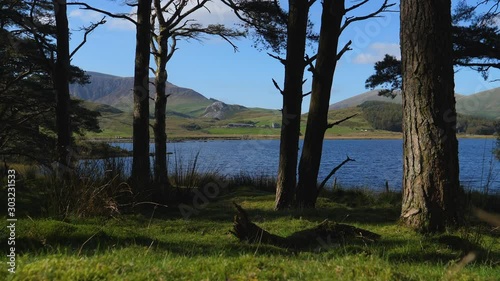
(324, 235)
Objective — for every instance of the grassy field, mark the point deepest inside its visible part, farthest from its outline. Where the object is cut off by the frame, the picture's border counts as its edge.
(195, 244)
(116, 125)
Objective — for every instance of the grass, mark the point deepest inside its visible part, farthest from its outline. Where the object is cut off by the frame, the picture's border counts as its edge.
(162, 244)
(119, 124)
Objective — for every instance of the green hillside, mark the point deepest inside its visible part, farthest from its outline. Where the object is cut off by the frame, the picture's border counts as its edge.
(117, 92)
(261, 123)
(372, 120)
(484, 104)
(192, 115)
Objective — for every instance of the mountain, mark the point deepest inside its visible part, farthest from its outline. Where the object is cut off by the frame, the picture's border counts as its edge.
(220, 110)
(361, 98)
(483, 104)
(117, 92)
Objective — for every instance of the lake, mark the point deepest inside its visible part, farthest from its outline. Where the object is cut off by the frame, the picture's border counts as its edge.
(377, 161)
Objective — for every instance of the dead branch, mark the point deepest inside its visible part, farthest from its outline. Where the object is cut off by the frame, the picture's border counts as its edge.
(347, 47)
(354, 7)
(173, 48)
(324, 235)
(311, 68)
(277, 86)
(334, 170)
(383, 8)
(309, 60)
(245, 230)
(88, 30)
(280, 59)
(340, 121)
(88, 7)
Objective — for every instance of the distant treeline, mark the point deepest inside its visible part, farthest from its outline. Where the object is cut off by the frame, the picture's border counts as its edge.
(389, 116)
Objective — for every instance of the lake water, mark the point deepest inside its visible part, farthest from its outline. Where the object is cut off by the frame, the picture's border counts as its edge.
(377, 161)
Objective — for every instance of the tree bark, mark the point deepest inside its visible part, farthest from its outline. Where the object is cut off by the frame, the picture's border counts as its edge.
(160, 135)
(61, 85)
(317, 119)
(292, 102)
(325, 235)
(140, 163)
(431, 190)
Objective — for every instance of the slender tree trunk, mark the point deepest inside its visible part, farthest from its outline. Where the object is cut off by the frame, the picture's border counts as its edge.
(61, 85)
(292, 102)
(140, 164)
(431, 191)
(160, 164)
(317, 119)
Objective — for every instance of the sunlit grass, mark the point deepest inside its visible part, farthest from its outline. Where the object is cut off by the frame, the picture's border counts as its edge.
(164, 245)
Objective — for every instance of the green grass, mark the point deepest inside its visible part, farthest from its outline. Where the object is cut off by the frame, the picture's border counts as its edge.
(119, 125)
(165, 246)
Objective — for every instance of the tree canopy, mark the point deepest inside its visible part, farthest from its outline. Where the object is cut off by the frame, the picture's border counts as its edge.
(27, 107)
(476, 41)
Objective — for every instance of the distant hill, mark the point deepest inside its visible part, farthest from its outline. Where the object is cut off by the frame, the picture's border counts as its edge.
(220, 110)
(189, 113)
(362, 98)
(117, 92)
(483, 104)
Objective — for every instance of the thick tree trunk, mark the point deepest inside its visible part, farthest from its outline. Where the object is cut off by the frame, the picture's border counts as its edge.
(431, 190)
(160, 135)
(317, 119)
(140, 164)
(292, 102)
(61, 85)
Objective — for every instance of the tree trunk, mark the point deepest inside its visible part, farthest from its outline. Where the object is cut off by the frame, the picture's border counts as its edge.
(292, 102)
(61, 85)
(431, 190)
(140, 163)
(317, 119)
(160, 164)
(325, 235)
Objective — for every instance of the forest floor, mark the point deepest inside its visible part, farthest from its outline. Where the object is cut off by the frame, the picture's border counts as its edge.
(193, 242)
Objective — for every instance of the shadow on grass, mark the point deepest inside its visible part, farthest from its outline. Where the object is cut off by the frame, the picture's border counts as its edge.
(218, 212)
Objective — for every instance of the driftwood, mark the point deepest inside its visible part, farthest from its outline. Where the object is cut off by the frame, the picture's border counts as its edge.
(324, 235)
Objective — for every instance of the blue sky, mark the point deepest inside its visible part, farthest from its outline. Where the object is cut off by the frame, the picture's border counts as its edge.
(244, 77)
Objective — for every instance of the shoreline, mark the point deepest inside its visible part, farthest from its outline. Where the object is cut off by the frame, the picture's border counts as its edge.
(272, 137)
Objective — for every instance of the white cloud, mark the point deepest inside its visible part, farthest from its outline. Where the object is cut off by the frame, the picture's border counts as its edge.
(213, 13)
(88, 16)
(376, 51)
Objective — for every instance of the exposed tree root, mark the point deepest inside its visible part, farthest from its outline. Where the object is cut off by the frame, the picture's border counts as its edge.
(324, 235)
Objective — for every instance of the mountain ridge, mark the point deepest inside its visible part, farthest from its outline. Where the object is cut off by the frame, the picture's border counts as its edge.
(116, 91)
(484, 104)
